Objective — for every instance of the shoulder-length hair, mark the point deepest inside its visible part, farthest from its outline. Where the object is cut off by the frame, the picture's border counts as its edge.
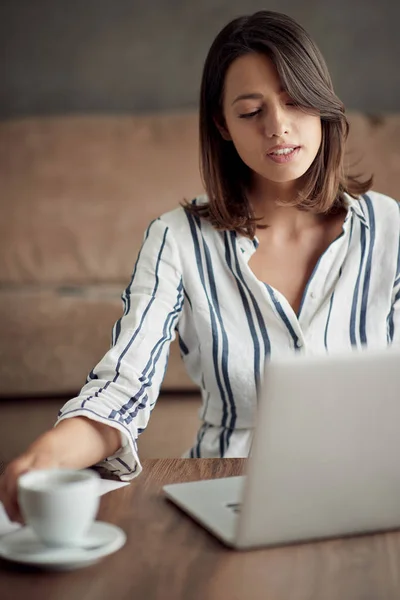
(305, 76)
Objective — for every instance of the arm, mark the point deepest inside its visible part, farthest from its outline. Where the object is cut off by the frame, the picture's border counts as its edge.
(103, 422)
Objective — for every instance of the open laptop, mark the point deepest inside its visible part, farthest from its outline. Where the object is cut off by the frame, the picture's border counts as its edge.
(325, 459)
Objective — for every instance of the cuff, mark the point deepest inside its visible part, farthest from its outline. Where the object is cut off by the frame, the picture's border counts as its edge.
(125, 463)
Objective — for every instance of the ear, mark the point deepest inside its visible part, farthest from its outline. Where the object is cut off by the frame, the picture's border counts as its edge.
(220, 125)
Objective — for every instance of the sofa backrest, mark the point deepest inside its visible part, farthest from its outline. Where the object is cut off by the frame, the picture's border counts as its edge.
(77, 193)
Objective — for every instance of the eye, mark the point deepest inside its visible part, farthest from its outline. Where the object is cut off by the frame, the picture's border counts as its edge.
(250, 115)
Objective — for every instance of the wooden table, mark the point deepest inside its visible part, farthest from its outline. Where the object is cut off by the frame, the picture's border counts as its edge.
(168, 556)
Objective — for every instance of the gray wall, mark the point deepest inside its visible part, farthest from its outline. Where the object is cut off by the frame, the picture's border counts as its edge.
(62, 56)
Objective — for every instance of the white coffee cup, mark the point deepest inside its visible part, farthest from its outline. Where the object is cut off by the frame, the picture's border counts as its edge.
(59, 504)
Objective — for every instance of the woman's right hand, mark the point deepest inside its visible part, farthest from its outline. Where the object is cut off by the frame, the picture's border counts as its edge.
(38, 456)
(74, 443)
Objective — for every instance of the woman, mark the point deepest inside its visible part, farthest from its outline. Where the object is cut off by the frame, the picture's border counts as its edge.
(286, 253)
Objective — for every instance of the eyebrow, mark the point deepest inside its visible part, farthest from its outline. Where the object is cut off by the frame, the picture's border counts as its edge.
(248, 97)
(254, 96)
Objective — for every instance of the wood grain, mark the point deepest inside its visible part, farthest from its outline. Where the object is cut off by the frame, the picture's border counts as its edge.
(168, 556)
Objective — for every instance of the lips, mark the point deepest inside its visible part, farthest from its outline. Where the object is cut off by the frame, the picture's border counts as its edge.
(284, 157)
(282, 147)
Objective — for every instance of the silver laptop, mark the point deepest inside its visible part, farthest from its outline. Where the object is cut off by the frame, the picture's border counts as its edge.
(325, 459)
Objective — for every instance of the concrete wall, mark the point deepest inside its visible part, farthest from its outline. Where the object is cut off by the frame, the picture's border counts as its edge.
(62, 56)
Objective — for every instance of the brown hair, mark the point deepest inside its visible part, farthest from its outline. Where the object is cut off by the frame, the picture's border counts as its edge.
(304, 75)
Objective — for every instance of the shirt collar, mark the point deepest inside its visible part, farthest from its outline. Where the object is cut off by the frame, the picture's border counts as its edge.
(248, 246)
(354, 208)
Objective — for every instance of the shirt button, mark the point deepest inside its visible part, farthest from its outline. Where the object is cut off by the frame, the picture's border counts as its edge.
(312, 295)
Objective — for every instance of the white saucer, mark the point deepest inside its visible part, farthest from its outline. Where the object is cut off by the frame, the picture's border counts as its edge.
(23, 546)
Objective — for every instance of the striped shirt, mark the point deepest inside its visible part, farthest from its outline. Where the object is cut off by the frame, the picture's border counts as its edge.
(195, 281)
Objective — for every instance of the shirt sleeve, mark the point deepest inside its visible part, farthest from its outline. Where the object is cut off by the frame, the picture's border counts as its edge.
(123, 388)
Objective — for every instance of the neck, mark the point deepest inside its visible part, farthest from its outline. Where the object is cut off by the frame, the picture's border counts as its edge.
(268, 201)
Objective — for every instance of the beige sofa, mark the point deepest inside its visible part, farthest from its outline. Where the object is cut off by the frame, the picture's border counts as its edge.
(77, 193)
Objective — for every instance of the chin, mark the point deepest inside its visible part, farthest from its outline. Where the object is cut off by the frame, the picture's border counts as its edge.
(284, 177)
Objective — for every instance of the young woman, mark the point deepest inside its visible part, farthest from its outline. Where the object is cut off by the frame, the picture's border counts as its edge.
(286, 253)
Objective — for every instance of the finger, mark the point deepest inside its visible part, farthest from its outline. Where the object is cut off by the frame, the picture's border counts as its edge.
(10, 486)
(13, 512)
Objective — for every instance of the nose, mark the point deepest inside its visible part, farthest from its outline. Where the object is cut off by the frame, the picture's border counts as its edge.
(276, 123)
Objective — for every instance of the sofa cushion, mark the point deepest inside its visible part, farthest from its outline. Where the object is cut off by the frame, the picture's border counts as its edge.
(51, 339)
(77, 193)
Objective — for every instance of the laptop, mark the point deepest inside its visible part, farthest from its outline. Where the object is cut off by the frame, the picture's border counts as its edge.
(325, 459)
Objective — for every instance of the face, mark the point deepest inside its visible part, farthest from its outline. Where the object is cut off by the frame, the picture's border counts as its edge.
(275, 139)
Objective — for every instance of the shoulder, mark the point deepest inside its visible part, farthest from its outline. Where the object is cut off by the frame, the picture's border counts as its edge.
(178, 226)
(379, 213)
(379, 209)
(181, 221)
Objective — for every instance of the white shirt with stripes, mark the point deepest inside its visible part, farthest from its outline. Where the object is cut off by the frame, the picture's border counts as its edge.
(194, 280)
